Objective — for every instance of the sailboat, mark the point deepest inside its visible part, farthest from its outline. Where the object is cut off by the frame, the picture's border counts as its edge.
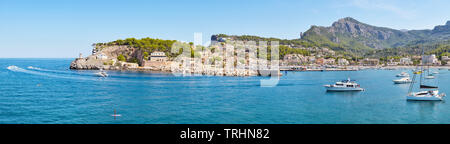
(428, 92)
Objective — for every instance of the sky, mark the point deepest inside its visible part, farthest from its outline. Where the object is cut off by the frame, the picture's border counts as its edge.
(65, 28)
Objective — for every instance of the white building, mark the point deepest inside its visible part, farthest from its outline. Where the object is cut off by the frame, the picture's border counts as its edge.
(445, 58)
(158, 56)
(406, 61)
(429, 60)
(342, 61)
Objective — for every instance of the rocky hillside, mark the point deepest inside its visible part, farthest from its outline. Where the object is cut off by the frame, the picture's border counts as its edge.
(351, 35)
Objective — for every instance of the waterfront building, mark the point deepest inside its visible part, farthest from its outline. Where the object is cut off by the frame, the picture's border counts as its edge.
(430, 60)
(406, 61)
(158, 56)
(370, 62)
(392, 62)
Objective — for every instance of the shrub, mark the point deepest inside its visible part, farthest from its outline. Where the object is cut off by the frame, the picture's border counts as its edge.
(121, 58)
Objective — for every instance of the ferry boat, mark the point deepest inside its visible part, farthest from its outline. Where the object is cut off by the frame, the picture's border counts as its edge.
(402, 80)
(345, 85)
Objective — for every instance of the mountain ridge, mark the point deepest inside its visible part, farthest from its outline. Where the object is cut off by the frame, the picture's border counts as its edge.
(356, 36)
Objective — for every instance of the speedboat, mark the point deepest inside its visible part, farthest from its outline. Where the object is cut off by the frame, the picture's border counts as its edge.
(432, 95)
(403, 80)
(403, 74)
(345, 85)
(101, 74)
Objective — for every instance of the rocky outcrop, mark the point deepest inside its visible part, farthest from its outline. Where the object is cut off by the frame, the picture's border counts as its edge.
(87, 63)
(105, 57)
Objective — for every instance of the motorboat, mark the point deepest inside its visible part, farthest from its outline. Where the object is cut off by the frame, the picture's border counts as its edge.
(432, 95)
(403, 74)
(101, 74)
(402, 80)
(345, 85)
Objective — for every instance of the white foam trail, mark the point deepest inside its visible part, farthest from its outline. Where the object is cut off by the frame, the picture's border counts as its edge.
(92, 78)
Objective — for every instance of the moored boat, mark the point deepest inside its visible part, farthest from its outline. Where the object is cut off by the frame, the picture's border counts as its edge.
(402, 80)
(403, 74)
(432, 95)
(432, 92)
(345, 85)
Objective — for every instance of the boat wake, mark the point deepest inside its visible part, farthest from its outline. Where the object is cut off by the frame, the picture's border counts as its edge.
(62, 74)
(58, 71)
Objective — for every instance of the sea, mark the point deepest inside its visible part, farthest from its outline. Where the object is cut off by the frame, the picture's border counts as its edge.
(46, 91)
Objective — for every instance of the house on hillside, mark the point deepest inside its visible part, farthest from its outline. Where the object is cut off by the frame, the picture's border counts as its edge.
(158, 56)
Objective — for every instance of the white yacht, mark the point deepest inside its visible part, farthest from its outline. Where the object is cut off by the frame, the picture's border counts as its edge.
(345, 85)
(402, 80)
(403, 74)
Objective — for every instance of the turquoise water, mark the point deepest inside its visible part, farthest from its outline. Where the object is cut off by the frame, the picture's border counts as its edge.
(48, 92)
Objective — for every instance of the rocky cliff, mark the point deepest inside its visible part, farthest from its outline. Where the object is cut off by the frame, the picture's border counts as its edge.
(105, 57)
(352, 35)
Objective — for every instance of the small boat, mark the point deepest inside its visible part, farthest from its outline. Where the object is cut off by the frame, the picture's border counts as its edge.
(345, 85)
(435, 72)
(403, 80)
(101, 74)
(403, 74)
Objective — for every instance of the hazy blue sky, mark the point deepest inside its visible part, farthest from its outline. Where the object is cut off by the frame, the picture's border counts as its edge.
(64, 28)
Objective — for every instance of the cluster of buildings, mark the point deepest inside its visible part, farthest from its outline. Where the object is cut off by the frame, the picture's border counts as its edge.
(158, 60)
(297, 59)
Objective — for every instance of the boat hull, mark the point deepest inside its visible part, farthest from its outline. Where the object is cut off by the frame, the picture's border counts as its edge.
(342, 89)
(424, 98)
(401, 82)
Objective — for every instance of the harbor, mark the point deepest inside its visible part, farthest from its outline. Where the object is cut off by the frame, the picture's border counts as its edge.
(155, 97)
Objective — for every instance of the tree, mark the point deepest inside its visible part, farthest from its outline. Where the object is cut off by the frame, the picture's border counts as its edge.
(121, 58)
(145, 55)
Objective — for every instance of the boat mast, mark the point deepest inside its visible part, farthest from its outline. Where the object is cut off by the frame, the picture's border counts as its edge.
(417, 71)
